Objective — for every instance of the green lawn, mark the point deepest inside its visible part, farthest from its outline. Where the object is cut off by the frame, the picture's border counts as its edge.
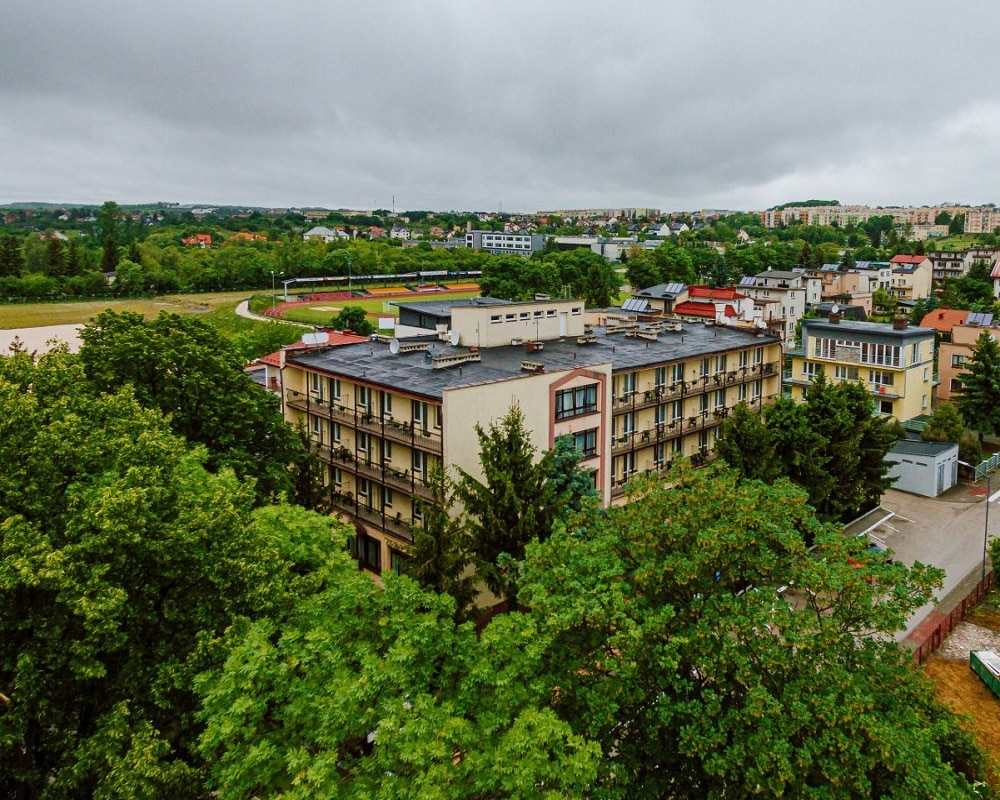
(33, 315)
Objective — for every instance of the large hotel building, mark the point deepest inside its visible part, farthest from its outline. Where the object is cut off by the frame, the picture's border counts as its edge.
(633, 395)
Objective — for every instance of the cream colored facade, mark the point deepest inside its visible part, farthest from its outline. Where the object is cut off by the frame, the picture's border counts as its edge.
(633, 396)
(895, 363)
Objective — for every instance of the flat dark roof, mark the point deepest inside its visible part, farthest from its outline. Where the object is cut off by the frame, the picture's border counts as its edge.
(413, 372)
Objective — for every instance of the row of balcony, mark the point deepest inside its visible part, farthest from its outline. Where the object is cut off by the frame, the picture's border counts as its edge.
(658, 468)
(672, 391)
(668, 430)
(357, 507)
(412, 434)
(361, 464)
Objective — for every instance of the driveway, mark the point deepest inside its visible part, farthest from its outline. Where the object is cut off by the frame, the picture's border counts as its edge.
(945, 532)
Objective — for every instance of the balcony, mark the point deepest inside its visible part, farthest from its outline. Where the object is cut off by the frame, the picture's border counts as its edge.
(392, 524)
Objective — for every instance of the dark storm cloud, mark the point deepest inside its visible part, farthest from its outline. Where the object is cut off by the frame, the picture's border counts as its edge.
(529, 105)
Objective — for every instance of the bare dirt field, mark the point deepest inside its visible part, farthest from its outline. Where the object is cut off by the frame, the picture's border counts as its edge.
(959, 688)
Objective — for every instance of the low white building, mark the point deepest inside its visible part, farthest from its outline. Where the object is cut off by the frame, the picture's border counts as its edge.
(925, 468)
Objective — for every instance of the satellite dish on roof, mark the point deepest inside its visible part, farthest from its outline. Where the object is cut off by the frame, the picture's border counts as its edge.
(453, 337)
(394, 346)
(835, 309)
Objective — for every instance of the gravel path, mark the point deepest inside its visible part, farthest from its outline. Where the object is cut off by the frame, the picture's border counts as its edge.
(966, 637)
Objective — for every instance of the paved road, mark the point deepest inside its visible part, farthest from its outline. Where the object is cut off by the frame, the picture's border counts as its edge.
(946, 532)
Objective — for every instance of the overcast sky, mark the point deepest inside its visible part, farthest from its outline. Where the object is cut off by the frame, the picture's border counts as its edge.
(519, 106)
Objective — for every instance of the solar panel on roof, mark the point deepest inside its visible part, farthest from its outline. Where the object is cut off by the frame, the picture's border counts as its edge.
(635, 304)
(979, 319)
(673, 288)
(748, 280)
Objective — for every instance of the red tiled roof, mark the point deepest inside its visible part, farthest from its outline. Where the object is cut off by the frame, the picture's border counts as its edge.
(944, 319)
(706, 310)
(996, 272)
(905, 259)
(728, 293)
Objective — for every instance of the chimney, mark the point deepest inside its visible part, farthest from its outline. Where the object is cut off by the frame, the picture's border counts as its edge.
(834, 317)
(900, 322)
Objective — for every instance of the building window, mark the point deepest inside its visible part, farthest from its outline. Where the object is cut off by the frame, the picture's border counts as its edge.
(627, 382)
(809, 369)
(958, 361)
(317, 430)
(586, 442)
(659, 455)
(315, 384)
(756, 389)
(335, 388)
(885, 406)
(927, 373)
(882, 377)
(367, 550)
(386, 398)
(398, 562)
(495, 318)
(741, 393)
(703, 404)
(884, 355)
(363, 442)
(364, 396)
(758, 355)
(720, 399)
(720, 364)
(336, 433)
(336, 477)
(419, 462)
(843, 373)
(386, 497)
(744, 359)
(703, 369)
(419, 412)
(923, 402)
(676, 410)
(677, 373)
(576, 402)
(660, 377)
(628, 423)
(956, 384)
(659, 415)
(386, 451)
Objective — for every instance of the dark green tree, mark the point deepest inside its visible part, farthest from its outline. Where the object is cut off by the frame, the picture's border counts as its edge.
(978, 397)
(353, 318)
(512, 505)
(441, 556)
(11, 257)
(746, 444)
(55, 258)
(572, 487)
(640, 271)
(110, 254)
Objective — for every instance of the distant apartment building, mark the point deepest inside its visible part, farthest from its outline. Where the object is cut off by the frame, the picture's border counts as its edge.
(633, 396)
(894, 361)
(522, 244)
(982, 220)
(856, 285)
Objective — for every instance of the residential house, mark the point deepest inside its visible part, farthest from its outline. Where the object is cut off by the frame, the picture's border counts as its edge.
(894, 361)
(324, 234)
(382, 414)
(912, 277)
(953, 354)
(198, 240)
(783, 297)
(399, 232)
(947, 264)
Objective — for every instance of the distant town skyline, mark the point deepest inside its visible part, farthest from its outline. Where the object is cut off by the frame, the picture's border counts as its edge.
(520, 107)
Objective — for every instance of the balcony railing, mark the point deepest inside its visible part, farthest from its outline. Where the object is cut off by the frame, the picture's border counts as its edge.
(392, 524)
(412, 434)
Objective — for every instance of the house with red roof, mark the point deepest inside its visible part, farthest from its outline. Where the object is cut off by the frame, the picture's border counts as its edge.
(198, 240)
(912, 277)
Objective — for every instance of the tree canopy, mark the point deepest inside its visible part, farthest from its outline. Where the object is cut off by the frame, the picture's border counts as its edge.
(178, 365)
(978, 397)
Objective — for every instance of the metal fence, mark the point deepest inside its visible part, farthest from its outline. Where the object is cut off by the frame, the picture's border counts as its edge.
(936, 637)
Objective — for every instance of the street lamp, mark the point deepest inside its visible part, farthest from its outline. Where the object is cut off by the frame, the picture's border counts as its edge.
(273, 273)
(986, 524)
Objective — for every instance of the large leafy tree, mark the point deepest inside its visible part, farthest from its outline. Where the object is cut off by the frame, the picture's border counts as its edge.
(180, 366)
(121, 558)
(369, 692)
(978, 398)
(354, 319)
(666, 631)
(512, 505)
